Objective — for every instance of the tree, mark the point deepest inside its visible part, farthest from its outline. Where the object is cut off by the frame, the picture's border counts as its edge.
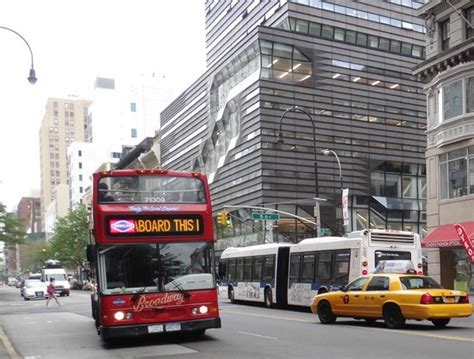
(70, 238)
(11, 227)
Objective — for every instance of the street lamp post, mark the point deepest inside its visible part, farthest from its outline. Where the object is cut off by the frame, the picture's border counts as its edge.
(280, 141)
(327, 152)
(32, 76)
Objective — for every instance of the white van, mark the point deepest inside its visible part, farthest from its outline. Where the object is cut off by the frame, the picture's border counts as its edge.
(60, 279)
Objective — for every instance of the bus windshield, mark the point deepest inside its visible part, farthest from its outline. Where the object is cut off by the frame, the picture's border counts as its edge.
(151, 189)
(154, 267)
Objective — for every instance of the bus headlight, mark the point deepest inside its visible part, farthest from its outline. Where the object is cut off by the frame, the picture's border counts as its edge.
(119, 315)
(201, 310)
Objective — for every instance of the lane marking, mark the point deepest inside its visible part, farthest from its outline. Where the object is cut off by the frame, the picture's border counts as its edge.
(406, 332)
(267, 316)
(8, 345)
(409, 332)
(258, 335)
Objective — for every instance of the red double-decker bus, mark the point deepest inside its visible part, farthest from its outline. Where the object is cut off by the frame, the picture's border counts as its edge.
(152, 253)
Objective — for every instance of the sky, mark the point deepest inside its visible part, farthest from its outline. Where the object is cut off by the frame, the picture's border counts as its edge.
(73, 42)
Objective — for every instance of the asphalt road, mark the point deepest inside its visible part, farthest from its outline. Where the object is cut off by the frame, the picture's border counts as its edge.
(32, 331)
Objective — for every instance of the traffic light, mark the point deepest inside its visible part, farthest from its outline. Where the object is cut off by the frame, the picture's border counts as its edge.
(222, 218)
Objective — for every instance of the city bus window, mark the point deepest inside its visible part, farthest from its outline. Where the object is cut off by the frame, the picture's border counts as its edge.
(307, 270)
(240, 270)
(295, 268)
(231, 270)
(247, 269)
(268, 268)
(324, 266)
(341, 265)
(257, 269)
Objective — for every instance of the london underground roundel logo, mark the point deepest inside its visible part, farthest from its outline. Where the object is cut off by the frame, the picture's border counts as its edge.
(122, 226)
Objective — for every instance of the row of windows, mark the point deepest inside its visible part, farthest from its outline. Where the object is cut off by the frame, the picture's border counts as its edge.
(248, 269)
(373, 70)
(353, 116)
(353, 37)
(414, 4)
(315, 266)
(362, 15)
(336, 100)
(457, 173)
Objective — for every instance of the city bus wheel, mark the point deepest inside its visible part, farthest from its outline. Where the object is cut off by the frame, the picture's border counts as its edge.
(268, 298)
(325, 314)
(440, 323)
(231, 295)
(393, 317)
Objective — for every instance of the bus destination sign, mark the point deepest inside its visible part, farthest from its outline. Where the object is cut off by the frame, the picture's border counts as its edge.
(155, 225)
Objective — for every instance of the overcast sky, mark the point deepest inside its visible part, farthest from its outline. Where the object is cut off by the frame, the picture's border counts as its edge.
(73, 42)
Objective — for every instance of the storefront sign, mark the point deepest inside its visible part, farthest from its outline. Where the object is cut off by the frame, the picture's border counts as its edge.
(465, 240)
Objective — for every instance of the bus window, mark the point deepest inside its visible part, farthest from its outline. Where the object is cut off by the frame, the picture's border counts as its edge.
(268, 268)
(324, 265)
(247, 269)
(307, 270)
(341, 265)
(295, 268)
(257, 269)
(240, 270)
(231, 270)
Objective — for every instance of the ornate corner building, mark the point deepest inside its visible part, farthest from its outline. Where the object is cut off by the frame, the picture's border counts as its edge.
(448, 71)
(349, 65)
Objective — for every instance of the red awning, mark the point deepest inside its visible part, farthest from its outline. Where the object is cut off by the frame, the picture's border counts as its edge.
(446, 236)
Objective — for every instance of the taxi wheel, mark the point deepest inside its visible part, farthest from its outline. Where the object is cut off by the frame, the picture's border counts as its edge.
(325, 313)
(440, 323)
(393, 317)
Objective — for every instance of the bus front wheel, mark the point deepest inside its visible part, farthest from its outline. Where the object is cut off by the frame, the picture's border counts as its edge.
(268, 298)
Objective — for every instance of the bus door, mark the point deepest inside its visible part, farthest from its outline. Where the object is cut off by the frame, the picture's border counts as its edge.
(281, 280)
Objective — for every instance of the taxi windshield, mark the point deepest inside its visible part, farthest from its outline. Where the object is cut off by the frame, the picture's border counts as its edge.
(417, 282)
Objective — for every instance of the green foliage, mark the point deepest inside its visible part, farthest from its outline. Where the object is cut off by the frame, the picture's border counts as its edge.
(33, 254)
(11, 227)
(70, 238)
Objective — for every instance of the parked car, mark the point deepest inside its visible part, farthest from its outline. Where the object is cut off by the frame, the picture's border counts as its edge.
(24, 283)
(393, 298)
(35, 290)
(12, 281)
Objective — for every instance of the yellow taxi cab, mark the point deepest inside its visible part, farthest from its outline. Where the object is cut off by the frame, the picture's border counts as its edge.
(393, 297)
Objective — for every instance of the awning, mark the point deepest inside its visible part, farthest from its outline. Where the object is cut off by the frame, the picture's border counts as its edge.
(446, 236)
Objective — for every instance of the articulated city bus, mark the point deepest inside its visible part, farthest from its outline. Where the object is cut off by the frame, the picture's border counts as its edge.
(152, 253)
(313, 266)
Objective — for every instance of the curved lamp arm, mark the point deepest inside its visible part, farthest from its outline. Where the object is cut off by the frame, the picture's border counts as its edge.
(32, 76)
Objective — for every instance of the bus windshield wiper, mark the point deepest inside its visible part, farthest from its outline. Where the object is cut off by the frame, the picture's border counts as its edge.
(138, 294)
(178, 286)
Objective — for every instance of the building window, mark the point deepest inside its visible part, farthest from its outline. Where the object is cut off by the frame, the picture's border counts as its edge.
(457, 173)
(115, 154)
(79, 153)
(470, 93)
(80, 165)
(80, 190)
(470, 19)
(444, 34)
(134, 133)
(80, 178)
(452, 100)
(133, 107)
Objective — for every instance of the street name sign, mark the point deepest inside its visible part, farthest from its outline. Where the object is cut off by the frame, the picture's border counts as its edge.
(265, 216)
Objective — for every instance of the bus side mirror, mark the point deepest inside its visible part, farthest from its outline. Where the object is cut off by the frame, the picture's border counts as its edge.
(90, 253)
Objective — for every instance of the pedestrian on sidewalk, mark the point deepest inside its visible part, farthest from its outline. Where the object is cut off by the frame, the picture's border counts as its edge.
(52, 293)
